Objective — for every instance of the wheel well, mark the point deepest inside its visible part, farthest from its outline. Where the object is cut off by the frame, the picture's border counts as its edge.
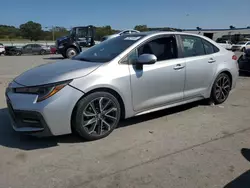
(229, 75)
(111, 91)
(72, 46)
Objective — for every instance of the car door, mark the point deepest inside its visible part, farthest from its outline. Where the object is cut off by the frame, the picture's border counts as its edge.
(161, 83)
(36, 48)
(27, 49)
(201, 64)
(81, 36)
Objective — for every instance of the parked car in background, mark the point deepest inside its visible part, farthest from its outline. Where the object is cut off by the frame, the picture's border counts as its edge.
(244, 61)
(127, 76)
(241, 46)
(53, 49)
(2, 49)
(129, 31)
(226, 44)
(35, 49)
(12, 50)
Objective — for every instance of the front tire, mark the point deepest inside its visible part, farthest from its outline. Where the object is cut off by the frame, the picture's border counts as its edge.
(221, 89)
(71, 52)
(96, 115)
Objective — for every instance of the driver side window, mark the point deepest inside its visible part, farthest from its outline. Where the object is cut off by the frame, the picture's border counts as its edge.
(163, 48)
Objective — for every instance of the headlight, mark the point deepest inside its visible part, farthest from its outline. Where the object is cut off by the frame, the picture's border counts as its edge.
(44, 91)
(61, 46)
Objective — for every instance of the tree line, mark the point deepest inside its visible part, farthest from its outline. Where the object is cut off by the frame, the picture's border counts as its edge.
(34, 31)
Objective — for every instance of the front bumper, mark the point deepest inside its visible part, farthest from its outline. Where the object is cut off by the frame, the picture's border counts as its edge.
(61, 51)
(49, 117)
(28, 122)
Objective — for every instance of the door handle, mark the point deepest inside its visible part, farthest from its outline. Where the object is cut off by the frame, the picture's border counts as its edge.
(211, 60)
(179, 66)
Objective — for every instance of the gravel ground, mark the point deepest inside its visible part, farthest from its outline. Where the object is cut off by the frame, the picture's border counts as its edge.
(191, 146)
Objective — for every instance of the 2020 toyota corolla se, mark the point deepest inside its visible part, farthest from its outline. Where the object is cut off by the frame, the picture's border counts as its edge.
(119, 78)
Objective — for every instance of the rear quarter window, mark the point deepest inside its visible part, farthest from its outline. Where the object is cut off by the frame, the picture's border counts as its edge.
(209, 47)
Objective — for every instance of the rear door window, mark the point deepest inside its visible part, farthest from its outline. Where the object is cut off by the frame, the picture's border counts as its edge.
(192, 45)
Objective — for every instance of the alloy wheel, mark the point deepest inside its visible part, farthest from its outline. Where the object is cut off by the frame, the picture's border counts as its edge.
(99, 116)
(222, 88)
(71, 53)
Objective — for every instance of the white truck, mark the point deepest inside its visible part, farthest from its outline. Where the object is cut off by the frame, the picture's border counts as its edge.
(226, 44)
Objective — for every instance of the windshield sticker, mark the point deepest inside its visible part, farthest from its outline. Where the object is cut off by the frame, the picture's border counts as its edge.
(132, 38)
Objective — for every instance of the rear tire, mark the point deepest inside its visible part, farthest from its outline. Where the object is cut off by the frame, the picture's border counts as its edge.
(221, 89)
(71, 52)
(96, 115)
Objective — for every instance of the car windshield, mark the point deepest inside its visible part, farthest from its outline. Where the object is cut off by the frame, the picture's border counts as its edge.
(241, 43)
(108, 50)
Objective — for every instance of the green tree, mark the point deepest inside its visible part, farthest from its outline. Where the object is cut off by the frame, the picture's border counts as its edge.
(231, 27)
(31, 30)
(141, 28)
(198, 28)
(103, 31)
(59, 31)
(9, 32)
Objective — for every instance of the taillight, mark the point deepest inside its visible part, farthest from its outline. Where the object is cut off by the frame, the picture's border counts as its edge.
(234, 57)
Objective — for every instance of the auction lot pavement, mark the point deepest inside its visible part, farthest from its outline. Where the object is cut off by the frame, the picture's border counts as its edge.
(191, 146)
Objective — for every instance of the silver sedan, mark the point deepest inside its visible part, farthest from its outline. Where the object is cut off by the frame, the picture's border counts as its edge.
(119, 78)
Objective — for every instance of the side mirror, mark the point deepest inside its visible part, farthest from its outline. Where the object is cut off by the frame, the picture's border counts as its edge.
(147, 59)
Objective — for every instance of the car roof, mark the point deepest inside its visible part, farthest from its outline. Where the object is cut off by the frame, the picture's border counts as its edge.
(152, 33)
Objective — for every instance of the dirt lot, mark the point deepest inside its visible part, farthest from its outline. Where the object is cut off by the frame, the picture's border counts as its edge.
(190, 146)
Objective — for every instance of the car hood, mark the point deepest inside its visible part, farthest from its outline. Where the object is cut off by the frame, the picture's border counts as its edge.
(62, 38)
(56, 72)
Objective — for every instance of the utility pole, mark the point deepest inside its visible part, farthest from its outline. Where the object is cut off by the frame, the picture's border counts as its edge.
(53, 33)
